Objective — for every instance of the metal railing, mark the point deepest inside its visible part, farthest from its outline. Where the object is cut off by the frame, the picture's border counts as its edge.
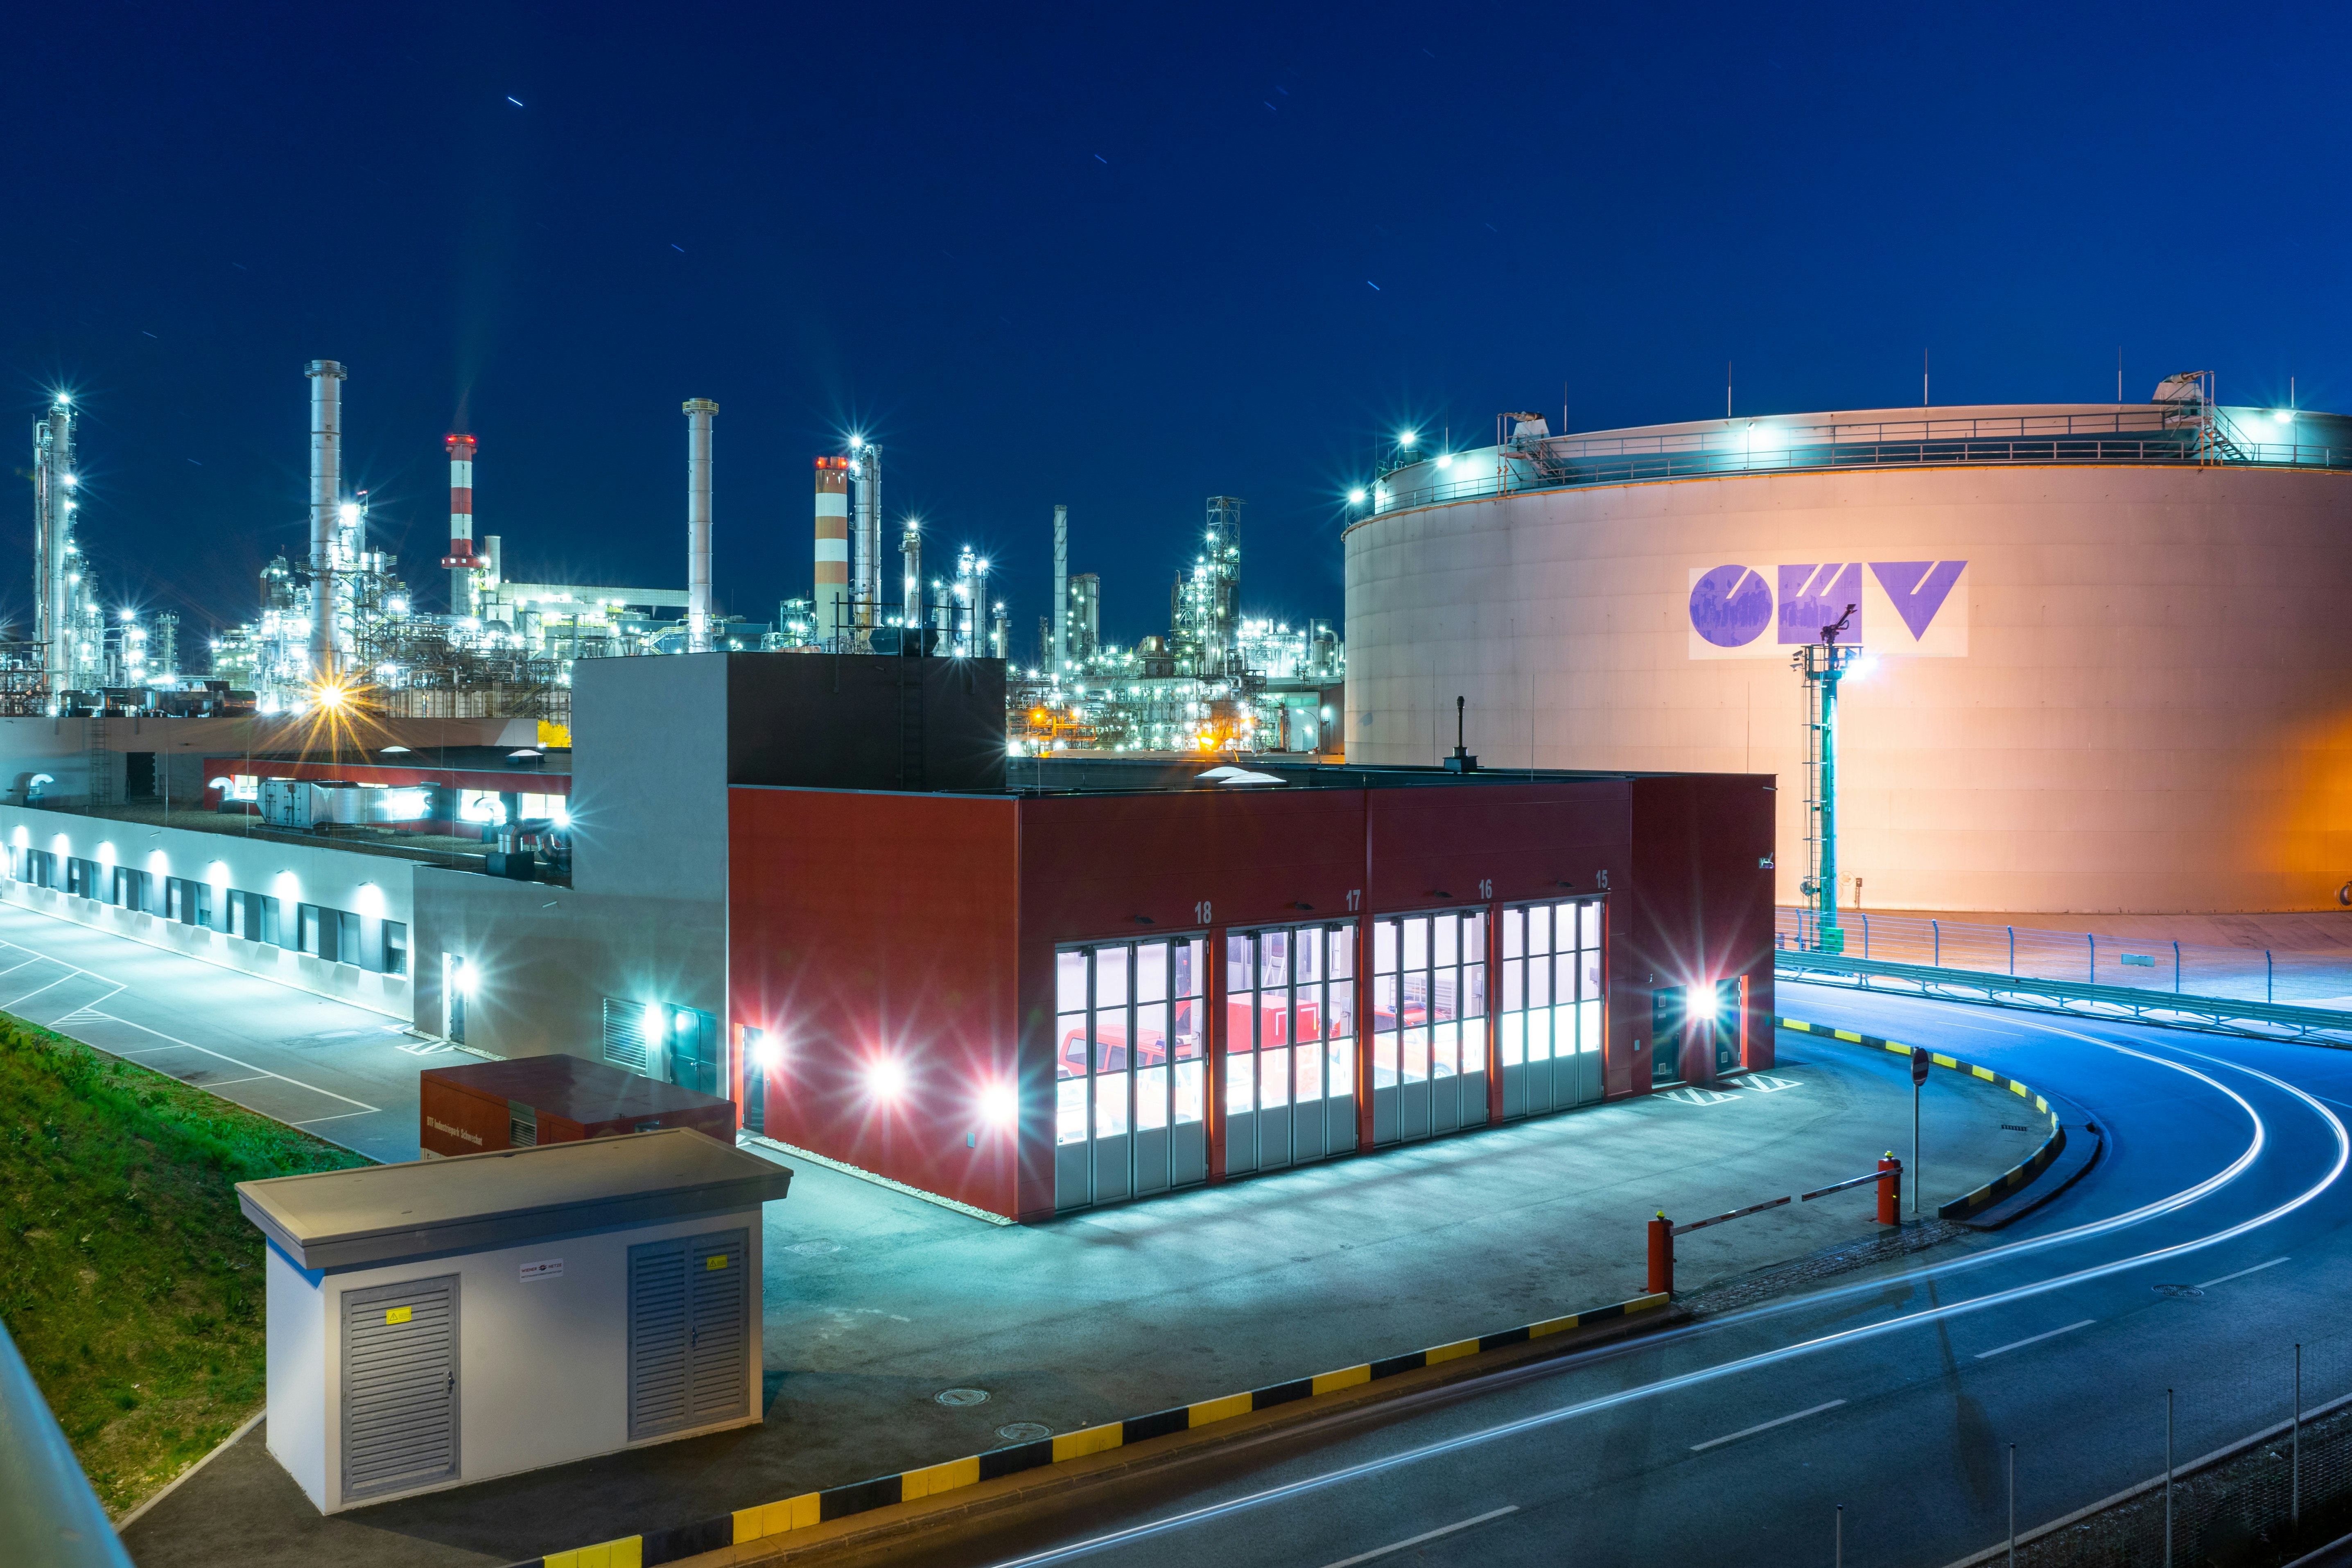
(49, 1514)
(1515, 473)
(2304, 980)
(2249, 1451)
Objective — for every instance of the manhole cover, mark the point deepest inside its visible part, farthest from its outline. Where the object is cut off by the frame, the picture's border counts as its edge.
(2181, 1290)
(812, 1248)
(962, 1396)
(1025, 1432)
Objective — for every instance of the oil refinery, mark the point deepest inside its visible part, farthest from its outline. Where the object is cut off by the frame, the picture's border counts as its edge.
(338, 627)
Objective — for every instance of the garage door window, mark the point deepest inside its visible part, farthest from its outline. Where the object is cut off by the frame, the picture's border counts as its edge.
(1130, 1069)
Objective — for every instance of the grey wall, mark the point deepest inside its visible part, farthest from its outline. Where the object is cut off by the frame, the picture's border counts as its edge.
(649, 776)
(548, 956)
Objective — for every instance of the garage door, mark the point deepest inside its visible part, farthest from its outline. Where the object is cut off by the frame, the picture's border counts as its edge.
(400, 1386)
(1130, 1077)
(689, 1326)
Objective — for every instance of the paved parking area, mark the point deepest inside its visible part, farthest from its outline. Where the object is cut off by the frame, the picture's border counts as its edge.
(876, 1303)
(342, 1072)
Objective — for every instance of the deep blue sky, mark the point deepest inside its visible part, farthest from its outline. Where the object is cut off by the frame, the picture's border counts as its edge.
(1116, 257)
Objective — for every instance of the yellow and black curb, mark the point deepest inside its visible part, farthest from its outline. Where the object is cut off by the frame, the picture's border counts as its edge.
(812, 1508)
(2008, 1181)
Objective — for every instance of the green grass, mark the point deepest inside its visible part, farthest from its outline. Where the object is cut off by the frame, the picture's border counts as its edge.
(128, 1279)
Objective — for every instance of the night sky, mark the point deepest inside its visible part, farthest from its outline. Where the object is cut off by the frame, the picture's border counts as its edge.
(1116, 257)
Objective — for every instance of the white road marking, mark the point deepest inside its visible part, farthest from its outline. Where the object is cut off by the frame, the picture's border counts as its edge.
(1691, 1094)
(250, 1067)
(2242, 1273)
(2035, 1339)
(338, 1116)
(225, 1082)
(1766, 1426)
(1426, 1535)
(36, 991)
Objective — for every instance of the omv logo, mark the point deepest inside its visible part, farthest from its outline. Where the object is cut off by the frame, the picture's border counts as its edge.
(1901, 606)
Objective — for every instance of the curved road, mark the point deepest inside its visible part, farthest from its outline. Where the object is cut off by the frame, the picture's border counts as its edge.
(2204, 1244)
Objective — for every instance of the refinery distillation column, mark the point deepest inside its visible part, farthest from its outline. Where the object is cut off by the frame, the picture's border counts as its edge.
(698, 412)
(1060, 662)
(831, 596)
(53, 487)
(460, 560)
(866, 592)
(326, 484)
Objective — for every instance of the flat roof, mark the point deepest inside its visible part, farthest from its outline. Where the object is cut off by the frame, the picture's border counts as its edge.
(574, 1088)
(429, 759)
(1077, 773)
(331, 1220)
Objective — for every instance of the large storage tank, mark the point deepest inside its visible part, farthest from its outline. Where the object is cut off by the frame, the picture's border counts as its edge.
(2115, 641)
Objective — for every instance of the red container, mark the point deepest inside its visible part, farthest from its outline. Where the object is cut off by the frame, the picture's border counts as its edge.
(483, 1106)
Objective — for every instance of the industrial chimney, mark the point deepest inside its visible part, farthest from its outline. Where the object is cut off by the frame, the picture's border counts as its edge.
(698, 412)
(326, 495)
(1061, 661)
(460, 561)
(831, 550)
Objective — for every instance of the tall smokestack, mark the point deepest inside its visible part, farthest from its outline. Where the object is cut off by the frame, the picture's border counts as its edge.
(1061, 591)
(326, 497)
(460, 559)
(699, 413)
(831, 550)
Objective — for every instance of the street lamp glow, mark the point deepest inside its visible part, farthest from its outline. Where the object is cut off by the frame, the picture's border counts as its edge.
(1408, 438)
(1355, 496)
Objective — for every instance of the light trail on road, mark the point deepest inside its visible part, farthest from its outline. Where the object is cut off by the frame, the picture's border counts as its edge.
(1819, 1345)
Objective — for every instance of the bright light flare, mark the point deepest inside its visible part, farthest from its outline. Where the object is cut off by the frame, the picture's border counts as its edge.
(1000, 1105)
(1355, 496)
(886, 1080)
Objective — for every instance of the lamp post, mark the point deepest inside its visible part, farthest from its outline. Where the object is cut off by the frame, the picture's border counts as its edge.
(1823, 666)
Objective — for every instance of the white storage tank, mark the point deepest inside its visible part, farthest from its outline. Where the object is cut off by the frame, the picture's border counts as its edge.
(2113, 669)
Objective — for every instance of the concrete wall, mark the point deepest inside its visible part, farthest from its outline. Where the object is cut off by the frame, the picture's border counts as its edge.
(546, 957)
(649, 776)
(374, 887)
(62, 747)
(295, 1377)
(2148, 705)
(542, 1365)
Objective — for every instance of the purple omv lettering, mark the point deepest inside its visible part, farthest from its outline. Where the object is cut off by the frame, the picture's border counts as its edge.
(1812, 597)
(1731, 607)
(1919, 588)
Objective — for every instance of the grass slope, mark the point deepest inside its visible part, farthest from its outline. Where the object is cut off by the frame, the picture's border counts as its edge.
(128, 1279)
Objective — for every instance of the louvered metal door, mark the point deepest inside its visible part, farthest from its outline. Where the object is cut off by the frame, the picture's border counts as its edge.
(400, 1386)
(689, 1318)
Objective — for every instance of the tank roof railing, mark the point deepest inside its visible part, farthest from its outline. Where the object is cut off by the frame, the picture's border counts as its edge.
(1509, 471)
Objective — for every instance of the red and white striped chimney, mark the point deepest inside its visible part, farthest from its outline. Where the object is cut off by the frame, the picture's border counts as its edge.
(461, 560)
(832, 597)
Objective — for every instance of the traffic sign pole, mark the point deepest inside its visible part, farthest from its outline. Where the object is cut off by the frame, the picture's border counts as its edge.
(1919, 1064)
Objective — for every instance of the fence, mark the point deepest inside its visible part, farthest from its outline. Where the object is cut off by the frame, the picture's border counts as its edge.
(2084, 958)
(2247, 1458)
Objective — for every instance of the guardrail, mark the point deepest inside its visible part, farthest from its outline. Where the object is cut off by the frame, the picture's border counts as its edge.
(2138, 964)
(2213, 1015)
(49, 1514)
(1537, 467)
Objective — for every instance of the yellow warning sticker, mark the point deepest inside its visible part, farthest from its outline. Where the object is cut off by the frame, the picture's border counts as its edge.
(395, 1314)
(717, 1262)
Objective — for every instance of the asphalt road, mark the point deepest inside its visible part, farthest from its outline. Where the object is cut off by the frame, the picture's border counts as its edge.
(342, 1072)
(2202, 1247)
